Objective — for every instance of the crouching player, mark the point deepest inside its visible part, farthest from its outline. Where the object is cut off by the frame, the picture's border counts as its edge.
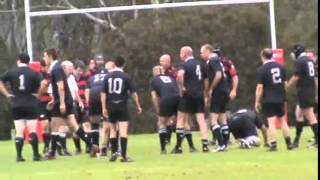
(166, 88)
(243, 125)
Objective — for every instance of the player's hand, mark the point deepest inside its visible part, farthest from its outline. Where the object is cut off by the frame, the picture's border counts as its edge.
(105, 113)
(139, 110)
(62, 108)
(258, 107)
(233, 95)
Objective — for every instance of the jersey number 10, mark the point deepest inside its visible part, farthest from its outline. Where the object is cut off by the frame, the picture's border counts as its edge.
(115, 85)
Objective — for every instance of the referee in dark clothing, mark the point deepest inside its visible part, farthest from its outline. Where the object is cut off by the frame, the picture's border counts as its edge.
(304, 79)
(271, 96)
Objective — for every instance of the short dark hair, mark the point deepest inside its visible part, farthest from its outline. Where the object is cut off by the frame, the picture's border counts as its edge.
(267, 53)
(297, 50)
(52, 52)
(43, 63)
(79, 64)
(119, 61)
(24, 58)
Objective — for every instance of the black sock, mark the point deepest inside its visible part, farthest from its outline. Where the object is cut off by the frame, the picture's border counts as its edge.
(34, 143)
(76, 142)
(188, 135)
(46, 140)
(95, 133)
(288, 140)
(82, 135)
(180, 135)
(225, 134)
(213, 135)
(216, 131)
(162, 137)
(169, 133)
(273, 144)
(204, 143)
(19, 146)
(54, 140)
(299, 128)
(315, 132)
(88, 140)
(124, 142)
(114, 145)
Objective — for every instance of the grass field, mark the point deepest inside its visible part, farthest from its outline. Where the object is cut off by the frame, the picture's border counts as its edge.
(236, 164)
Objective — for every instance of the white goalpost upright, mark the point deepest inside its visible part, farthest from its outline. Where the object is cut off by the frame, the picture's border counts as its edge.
(29, 14)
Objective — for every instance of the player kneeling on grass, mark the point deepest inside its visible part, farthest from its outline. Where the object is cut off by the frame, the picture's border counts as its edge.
(271, 96)
(166, 88)
(243, 125)
(24, 85)
(114, 100)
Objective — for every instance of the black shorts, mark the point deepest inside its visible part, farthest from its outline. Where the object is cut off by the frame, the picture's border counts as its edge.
(25, 113)
(81, 114)
(169, 106)
(44, 113)
(56, 110)
(306, 99)
(95, 108)
(219, 102)
(273, 109)
(189, 104)
(118, 112)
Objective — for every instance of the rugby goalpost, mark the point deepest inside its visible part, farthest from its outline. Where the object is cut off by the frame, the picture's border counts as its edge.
(29, 14)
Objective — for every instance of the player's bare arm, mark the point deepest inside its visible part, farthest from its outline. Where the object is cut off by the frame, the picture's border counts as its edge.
(104, 104)
(4, 90)
(135, 98)
(155, 101)
(259, 92)
(62, 96)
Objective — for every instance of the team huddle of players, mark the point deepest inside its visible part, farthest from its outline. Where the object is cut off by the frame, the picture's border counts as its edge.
(94, 103)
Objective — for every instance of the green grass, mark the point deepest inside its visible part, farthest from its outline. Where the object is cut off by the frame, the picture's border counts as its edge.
(236, 164)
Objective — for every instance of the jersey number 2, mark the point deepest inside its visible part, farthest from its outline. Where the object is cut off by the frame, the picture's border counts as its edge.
(115, 85)
(276, 76)
(21, 82)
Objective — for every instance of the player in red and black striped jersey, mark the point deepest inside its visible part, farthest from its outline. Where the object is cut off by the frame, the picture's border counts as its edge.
(45, 99)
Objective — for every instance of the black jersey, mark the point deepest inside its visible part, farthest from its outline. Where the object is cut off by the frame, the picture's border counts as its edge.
(96, 83)
(23, 83)
(305, 70)
(117, 86)
(58, 75)
(194, 77)
(244, 123)
(215, 65)
(164, 86)
(272, 76)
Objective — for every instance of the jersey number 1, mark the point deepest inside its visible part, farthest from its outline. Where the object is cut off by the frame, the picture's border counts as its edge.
(21, 80)
(115, 85)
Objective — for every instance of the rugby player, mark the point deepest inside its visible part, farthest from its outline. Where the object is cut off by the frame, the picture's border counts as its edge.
(63, 102)
(271, 96)
(304, 79)
(191, 81)
(243, 125)
(166, 88)
(24, 84)
(218, 97)
(114, 100)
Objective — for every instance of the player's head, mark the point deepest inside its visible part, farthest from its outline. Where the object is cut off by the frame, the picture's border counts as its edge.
(67, 67)
(165, 61)
(109, 65)
(266, 54)
(23, 58)
(297, 50)
(119, 62)
(43, 66)
(92, 64)
(206, 51)
(312, 54)
(157, 70)
(99, 59)
(80, 68)
(185, 52)
(50, 55)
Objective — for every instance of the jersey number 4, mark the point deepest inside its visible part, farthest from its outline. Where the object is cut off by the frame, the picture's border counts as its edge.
(115, 85)
(198, 72)
(276, 76)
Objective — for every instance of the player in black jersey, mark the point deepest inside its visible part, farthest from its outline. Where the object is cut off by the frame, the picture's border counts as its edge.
(164, 87)
(62, 102)
(243, 125)
(114, 99)
(24, 85)
(304, 79)
(93, 91)
(271, 96)
(218, 96)
(191, 82)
